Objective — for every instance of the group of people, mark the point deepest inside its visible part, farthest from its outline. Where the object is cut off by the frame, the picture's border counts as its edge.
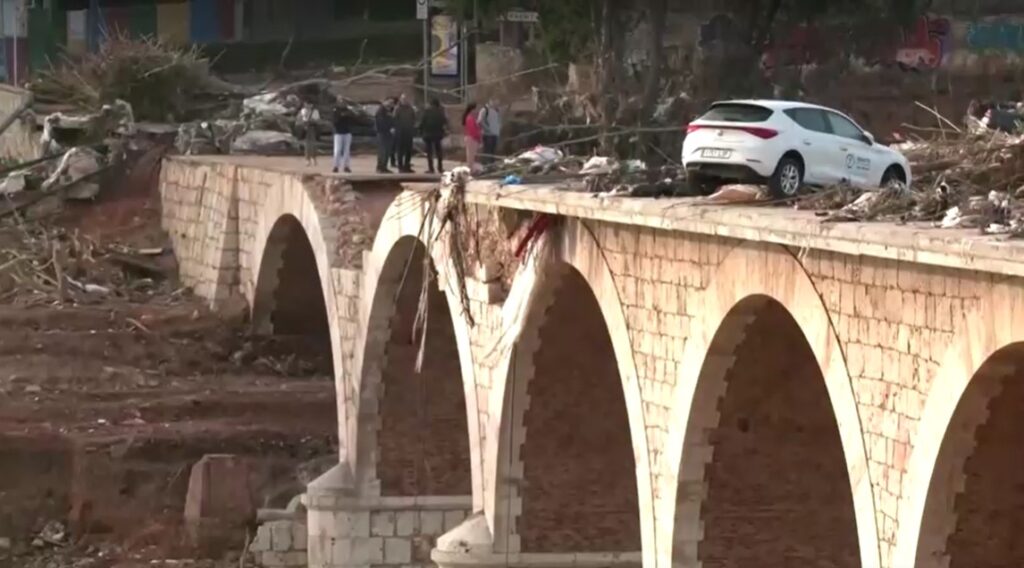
(342, 122)
(397, 124)
(396, 127)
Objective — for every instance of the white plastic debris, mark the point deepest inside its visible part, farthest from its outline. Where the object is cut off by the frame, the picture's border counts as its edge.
(737, 193)
(598, 165)
(540, 155)
(952, 218)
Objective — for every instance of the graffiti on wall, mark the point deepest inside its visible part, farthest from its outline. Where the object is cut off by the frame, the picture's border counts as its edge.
(998, 35)
(925, 45)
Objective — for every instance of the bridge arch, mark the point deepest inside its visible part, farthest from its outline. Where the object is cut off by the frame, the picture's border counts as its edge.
(761, 288)
(961, 487)
(288, 270)
(578, 300)
(392, 281)
(288, 275)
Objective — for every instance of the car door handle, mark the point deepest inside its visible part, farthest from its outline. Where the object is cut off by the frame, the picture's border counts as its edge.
(844, 149)
(807, 142)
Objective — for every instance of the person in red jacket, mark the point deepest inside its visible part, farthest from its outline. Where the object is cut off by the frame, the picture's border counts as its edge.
(474, 136)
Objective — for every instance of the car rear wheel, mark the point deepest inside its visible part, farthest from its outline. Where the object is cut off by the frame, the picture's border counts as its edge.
(787, 179)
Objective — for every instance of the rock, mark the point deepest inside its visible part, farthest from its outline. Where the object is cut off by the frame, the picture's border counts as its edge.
(266, 143)
(54, 533)
(76, 164)
(15, 182)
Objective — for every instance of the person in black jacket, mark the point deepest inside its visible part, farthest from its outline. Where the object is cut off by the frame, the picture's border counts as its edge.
(384, 122)
(404, 119)
(433, 129)
(342, 122)
(405, 124)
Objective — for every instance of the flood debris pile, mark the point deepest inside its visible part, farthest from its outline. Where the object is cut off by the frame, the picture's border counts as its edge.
(42, 264)
(161, 83)
(143, 86)
(971, 181)
(600, 176)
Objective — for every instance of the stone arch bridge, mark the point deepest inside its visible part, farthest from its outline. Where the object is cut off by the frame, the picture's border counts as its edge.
(683, 386)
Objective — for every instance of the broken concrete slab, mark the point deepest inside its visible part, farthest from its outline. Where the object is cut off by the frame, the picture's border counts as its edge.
(220, 498)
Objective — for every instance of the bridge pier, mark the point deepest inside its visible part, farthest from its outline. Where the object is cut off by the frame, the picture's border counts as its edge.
(349, 530)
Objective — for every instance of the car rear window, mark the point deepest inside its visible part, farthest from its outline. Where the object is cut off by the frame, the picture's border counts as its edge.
(737, 112)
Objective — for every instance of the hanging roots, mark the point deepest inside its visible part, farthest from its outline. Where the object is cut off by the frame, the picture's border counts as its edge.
(445, 209)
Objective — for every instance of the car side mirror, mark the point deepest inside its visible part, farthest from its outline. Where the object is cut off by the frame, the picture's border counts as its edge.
(869, 139)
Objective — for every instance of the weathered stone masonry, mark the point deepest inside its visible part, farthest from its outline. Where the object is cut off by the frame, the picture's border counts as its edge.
(705, 322)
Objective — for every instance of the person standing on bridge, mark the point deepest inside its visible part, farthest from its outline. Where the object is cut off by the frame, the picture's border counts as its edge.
(405, 123)
(307, 123)
(384, 123)
(342, 122)
(490, 124)
(433, 129)
(472, 137)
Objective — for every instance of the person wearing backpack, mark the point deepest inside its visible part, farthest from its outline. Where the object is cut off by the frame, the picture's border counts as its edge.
(490, 125)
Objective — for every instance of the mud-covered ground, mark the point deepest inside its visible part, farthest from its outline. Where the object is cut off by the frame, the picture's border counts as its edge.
(108, 398)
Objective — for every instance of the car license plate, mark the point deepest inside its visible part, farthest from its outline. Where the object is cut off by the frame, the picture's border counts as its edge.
(717, 153)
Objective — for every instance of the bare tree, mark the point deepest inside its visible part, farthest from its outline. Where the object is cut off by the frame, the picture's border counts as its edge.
(656, 15)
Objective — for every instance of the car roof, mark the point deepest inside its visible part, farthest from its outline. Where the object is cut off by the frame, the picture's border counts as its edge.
(774, 104)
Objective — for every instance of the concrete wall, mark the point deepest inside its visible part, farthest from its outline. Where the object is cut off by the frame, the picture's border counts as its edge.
(865, 396)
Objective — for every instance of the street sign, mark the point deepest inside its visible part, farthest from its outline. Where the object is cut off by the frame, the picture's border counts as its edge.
(522, 16)
(422, 9)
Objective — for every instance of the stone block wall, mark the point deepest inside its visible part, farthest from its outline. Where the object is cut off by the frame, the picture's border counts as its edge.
(384, 531)
(281, 544)
(200, 214)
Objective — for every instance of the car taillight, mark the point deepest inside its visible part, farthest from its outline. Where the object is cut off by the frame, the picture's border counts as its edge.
(762, 133)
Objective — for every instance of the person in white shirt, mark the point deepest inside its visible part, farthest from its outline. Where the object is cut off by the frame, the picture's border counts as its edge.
(490, 125)
(307, 123)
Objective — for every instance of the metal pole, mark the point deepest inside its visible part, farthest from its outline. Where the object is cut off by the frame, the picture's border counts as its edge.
(3, 27)
(426, 54)
(14, 41)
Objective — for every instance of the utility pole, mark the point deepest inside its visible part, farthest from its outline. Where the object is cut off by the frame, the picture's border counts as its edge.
(426, 50)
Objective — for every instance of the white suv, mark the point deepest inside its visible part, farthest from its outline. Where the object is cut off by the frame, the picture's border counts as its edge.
(787, 144)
